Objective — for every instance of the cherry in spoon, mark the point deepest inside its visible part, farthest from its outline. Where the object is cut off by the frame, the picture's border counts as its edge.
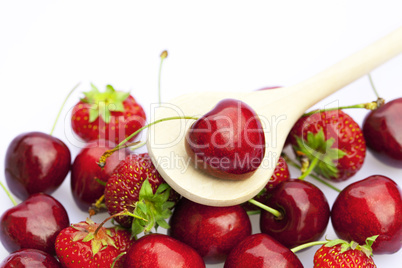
(278, 110)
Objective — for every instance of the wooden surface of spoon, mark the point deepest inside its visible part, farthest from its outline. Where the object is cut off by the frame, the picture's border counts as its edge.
(278, 110)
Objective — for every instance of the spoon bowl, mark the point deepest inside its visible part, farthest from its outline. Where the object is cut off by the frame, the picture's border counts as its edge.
(278, 110)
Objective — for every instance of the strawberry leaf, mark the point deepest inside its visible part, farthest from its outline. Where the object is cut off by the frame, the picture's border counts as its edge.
(96, 246)
(146, 190)
(93, 113)
(86, 232)
(154, 207)
(120, 96)
(118, 107)
(316, 146)
(367, 249)
(79, 236)
(345, 246)
(109, 89)
(103, 103)
(335, 242)
(89, 237)
(370, 240)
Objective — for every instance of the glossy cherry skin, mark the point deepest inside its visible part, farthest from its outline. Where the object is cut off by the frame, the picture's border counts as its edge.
(161, 251)
(382, 130)
(36, 162)
(372, 206)
(85, 172)
(34, 223)
(228, 142)
(30, 258)
(211, 231)
(261, 251)
(305, 213)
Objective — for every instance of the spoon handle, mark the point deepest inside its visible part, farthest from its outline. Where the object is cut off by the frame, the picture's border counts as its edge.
(346, 71)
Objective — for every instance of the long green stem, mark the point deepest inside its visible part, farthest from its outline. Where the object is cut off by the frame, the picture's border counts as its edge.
(307, 245)
(294, 164)
(163, 56)
(8, 194)
(139, 145)
(153, 123)
(253, 212)
(273, 211)
(372, 85)
(121, 213)
(310, 168)
(118, 258)
(368, 105)
(102, 160)
(61, 108)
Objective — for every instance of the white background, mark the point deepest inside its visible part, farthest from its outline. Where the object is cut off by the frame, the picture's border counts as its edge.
(46, 47)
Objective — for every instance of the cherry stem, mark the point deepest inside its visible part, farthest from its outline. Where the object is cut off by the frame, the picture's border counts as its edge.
(294, 164)
(372, 86)
(307, 245)
(138, 145)
(368, 105)
(273, 211)
(163, 56)
(310, 168)
(61, 108)
(122, 213)
(253, 212)
(8, 193)
(102, 159)
(96, 206)
(118, 147)
(117, 258)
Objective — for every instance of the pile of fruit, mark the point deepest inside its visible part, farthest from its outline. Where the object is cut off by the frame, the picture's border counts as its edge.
(109, 178)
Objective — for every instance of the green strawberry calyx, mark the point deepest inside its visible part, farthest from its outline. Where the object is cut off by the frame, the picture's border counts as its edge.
(103, 103)
(89, 231)
(345, 246)
(317, 147)
(153, 207)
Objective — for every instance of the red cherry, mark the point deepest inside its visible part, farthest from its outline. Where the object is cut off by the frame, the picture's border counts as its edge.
(34, 223)
(211, 231)
(381, 129)
(26, 258)
(36, 162)
(161, 251)
(369, 207)
(228, 142)
(85, 172)
(305, 213)
(259, 251)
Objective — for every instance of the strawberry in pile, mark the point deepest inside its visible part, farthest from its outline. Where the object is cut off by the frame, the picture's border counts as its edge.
(137, 187)
(331, 139)
(88, 244)
(339, 253)
(111, 115)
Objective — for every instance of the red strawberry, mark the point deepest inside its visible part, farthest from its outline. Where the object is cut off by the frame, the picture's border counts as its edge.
(111, 115)
(281, 173)
(137, 187)
(334, 139)
(339, 253)
(123, 241)
(81, 246)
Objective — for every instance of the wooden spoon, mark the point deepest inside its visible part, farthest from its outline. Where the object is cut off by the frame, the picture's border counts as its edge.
(278, 110)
